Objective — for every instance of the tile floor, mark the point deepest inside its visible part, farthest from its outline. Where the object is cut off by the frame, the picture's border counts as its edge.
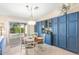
(42, 49)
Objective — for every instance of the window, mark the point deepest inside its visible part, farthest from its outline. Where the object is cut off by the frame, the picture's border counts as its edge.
(17, 28)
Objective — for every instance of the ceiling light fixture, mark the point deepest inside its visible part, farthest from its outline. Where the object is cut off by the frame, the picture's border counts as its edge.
(31, 9)
(65, 7)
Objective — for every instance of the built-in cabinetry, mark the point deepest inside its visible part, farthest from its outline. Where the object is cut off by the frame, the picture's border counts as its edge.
(73, 32)
(38, 28)
(65, 32)
(0, 47)
(54, 28)
(49, 38)
(62, 31)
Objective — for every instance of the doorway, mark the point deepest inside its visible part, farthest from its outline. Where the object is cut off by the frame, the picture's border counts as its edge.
(16, 32)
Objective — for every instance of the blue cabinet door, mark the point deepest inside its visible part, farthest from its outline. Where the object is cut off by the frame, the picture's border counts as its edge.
(55, 31)
(62, 32)
(36, 29)
(1, 48)
(55, 34)
(62, 35)
(39, 28)
(72, 32)
(72, 36)
(2, 45)
(48, 39)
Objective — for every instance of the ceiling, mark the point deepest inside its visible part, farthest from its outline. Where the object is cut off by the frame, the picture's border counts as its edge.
(20, 9)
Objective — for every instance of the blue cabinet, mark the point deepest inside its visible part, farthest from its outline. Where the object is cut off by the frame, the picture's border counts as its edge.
(48, 39)
(35, 29)
(38, 28)
(62, 31)
(65, 31)
(55, 31)
(2, 45)
(69, 32)
(72, 32)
